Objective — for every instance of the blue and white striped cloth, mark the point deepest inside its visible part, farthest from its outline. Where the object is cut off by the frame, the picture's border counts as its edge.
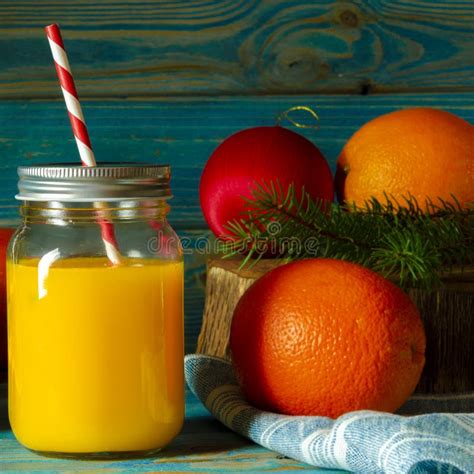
(361, 441)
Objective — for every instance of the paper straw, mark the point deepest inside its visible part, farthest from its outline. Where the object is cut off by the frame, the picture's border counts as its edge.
(79, 128)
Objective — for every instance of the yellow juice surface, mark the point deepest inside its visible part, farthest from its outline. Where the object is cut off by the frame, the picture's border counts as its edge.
(95, 354)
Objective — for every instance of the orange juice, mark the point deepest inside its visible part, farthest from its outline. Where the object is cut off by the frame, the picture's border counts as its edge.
(96, 354)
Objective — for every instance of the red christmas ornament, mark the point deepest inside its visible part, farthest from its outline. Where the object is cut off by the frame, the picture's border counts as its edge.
(257, 155)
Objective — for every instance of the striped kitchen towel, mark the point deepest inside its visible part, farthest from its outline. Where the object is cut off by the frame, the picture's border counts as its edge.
(361, 441)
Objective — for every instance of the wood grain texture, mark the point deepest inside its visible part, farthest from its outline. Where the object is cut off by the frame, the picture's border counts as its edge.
(204, 445)
(226, 282)
(447, 316)
(134, 48)
(182, 132)
(195, 257)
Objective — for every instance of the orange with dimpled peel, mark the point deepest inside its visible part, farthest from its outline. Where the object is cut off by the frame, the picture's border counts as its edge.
(325, 337)
(423, 152)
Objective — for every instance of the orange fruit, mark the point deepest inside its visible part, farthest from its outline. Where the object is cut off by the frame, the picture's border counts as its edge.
(425, 152)
(325, 337)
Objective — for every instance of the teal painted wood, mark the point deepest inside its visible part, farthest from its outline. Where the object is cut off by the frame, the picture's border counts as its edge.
(195, 255)
(182, 132)
(143, 48)
(204, 445)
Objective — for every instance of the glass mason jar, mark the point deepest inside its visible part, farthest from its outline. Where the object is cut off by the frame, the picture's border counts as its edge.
(95, 312)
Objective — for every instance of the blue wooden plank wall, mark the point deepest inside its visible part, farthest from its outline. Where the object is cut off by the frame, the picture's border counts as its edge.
(129, 48)
(166, 81)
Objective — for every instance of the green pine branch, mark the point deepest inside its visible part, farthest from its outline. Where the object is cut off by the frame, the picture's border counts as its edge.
(402, 241)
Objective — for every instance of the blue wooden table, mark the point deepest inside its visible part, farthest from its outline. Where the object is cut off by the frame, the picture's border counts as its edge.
(204, 445)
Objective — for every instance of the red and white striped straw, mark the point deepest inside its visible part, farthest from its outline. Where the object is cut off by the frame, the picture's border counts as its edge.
(78, 125)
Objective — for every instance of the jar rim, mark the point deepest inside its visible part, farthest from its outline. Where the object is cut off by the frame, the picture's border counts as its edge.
(112, 181)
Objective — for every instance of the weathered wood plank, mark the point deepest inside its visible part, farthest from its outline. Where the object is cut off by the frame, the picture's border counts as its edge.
(195, 259)
(204, 445)
(153, 48)
(182, 132)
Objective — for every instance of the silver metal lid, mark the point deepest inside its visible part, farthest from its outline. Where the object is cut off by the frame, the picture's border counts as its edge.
(107, 182)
